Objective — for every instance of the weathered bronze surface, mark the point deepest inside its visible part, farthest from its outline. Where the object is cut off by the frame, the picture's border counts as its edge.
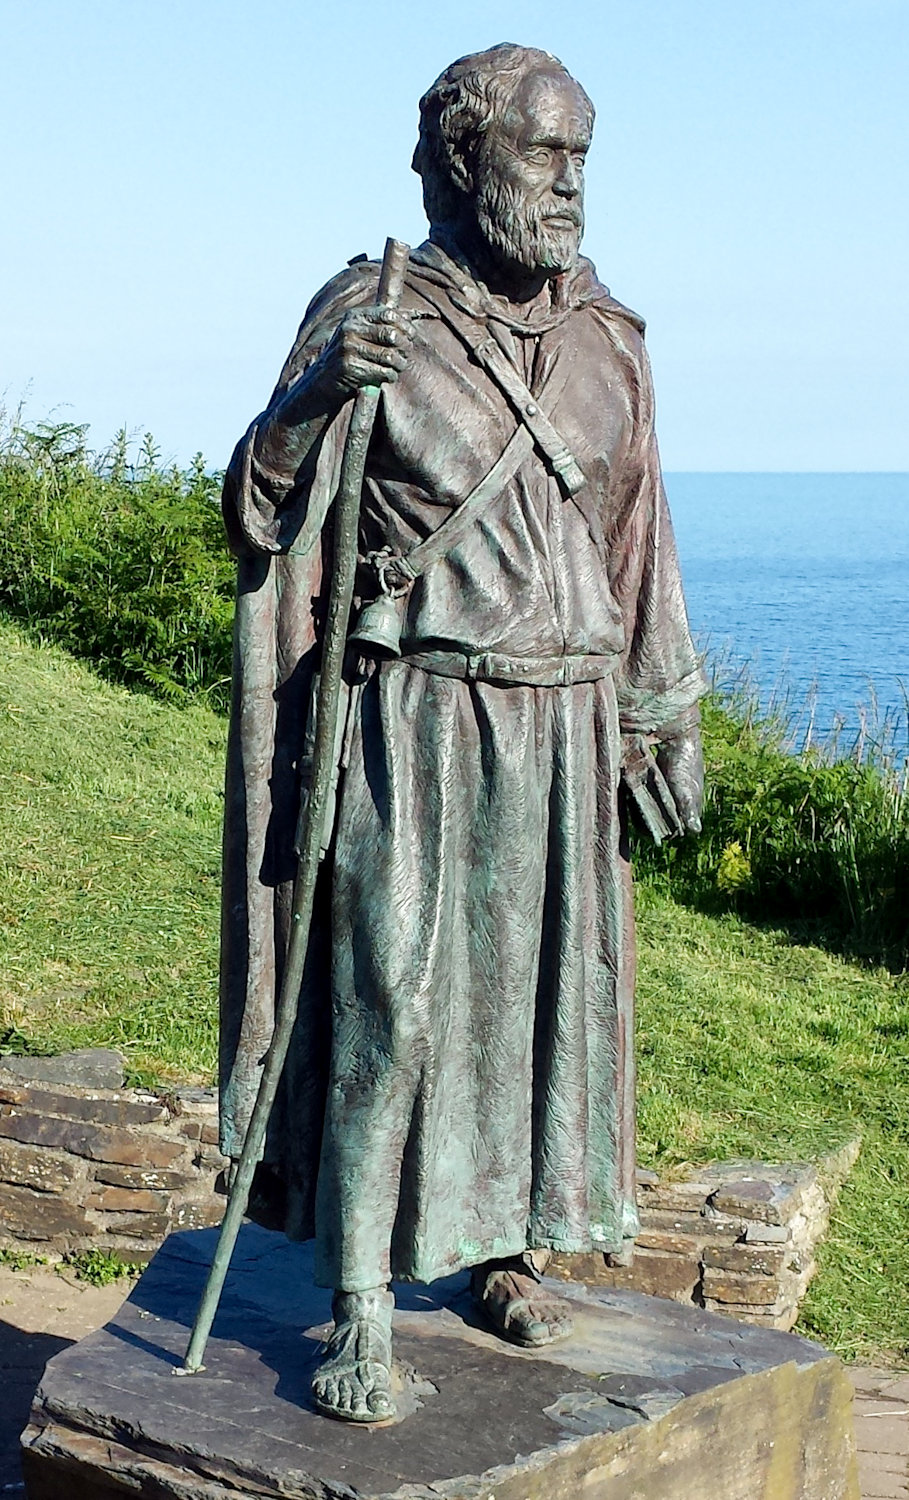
(460, 1087)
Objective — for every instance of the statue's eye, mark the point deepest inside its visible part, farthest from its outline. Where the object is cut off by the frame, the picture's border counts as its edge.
(541, 156)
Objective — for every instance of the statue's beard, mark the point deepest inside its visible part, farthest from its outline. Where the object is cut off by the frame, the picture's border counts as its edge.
(520, 233)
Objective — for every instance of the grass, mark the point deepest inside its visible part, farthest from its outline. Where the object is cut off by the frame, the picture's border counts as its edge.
(814, 838)
(750, 1042)
(110, 810)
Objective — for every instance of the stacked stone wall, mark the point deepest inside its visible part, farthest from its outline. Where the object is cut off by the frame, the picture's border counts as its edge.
(735, 1237)
(87, 1164)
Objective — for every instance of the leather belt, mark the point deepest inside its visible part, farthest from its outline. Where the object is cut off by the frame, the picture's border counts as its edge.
(532, 671)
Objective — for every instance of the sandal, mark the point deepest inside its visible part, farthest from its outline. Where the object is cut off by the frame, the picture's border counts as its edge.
(353, 1381)
(514, 1304)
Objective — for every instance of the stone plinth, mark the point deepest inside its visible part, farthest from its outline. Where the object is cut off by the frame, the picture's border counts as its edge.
(647, 1401)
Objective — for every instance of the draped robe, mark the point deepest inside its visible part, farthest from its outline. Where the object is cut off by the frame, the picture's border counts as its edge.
(461, 1079)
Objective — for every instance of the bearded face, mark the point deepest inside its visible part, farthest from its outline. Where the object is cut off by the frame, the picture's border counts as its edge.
(528, 178)
(524, 231)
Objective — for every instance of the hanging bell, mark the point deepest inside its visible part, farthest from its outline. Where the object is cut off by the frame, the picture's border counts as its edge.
(380, 624)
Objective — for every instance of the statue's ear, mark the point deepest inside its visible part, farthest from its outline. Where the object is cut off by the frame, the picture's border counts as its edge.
(461, 175)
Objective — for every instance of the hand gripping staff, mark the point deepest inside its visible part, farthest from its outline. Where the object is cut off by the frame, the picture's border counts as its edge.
(347, 514)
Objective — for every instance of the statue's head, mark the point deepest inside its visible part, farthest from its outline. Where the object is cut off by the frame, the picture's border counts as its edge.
(503, 137)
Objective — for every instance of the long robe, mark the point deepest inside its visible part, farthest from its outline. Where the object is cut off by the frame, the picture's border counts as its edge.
(461, 1080)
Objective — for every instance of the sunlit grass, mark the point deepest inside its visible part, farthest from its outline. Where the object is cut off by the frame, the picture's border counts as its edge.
(750, 1044)
(110, 808)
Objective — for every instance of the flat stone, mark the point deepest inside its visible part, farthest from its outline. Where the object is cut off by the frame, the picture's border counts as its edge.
(657, 1275)
(767, 1234)
(200, 1214)
(779, 1314)
(110, 1143)
(89, 1068)
(679, 1195)
(644, 1178)
(696, 1223)
(144, 1177)
(652, 1272)
(149, 1227)
(647, 1399)
(747, 1291)
(30, 1166)
(753, 1260)
(669, 1241)
(192, 1100)
(210, 1160)
(84, 1105)
(591, 1268)
(769, 1197)
(788, 1173)
(128, 1200)
(28, 1215)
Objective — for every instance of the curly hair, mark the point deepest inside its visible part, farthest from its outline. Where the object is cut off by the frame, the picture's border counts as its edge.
(457, 112)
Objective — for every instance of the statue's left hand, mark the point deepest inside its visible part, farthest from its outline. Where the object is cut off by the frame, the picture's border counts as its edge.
(680, 757)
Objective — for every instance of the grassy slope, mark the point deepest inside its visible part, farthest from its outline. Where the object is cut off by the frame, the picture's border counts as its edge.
(748, 1043)
(110, 812)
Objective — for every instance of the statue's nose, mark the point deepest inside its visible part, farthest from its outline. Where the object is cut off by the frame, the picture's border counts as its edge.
(568, 182)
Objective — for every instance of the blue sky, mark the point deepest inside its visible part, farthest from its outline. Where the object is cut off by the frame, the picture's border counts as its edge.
(181, 175)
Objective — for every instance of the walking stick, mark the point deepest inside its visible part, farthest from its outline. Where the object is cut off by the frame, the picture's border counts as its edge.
(347, 514)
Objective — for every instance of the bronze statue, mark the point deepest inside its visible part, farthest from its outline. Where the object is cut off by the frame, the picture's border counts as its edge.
(459, 1089)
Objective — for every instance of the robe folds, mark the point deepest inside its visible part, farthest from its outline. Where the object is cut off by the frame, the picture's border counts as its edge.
(460, 1084)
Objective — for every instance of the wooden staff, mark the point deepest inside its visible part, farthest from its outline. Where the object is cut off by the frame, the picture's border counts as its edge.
(347, 517)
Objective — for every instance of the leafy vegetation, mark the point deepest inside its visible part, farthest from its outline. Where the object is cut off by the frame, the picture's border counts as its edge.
(121, 562)
(101, 1267)
(20, 1260)
(814, 843)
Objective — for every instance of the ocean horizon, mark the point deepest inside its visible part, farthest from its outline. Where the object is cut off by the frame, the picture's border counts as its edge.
(799, 582)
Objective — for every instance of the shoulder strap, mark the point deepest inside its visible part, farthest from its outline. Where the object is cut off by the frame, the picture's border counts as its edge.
(492, 357)
(459, 521)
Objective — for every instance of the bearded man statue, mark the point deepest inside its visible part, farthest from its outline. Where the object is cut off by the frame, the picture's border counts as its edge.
(460, 1087)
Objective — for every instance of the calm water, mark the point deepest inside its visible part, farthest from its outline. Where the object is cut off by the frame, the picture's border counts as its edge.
(806, 578)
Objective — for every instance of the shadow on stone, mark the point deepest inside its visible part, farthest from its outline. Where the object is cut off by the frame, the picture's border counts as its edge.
(23, 1357)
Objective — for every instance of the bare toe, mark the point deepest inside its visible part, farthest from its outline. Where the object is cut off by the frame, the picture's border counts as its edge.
(354, 1380)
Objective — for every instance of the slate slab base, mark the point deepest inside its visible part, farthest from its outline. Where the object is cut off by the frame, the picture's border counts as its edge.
(649, 1400)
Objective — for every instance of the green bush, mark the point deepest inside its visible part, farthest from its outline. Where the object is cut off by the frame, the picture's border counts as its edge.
(125, 564)
(796, 837)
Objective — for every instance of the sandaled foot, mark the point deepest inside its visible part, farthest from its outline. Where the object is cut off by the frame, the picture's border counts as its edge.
(518, 1307)
(353, 1381)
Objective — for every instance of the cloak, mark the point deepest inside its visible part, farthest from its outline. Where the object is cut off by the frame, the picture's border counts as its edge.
(460, 1084)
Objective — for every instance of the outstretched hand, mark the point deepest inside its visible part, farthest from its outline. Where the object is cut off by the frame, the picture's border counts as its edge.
(681, 760)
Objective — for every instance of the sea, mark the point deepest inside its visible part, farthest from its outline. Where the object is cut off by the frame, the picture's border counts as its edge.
(798, 589)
